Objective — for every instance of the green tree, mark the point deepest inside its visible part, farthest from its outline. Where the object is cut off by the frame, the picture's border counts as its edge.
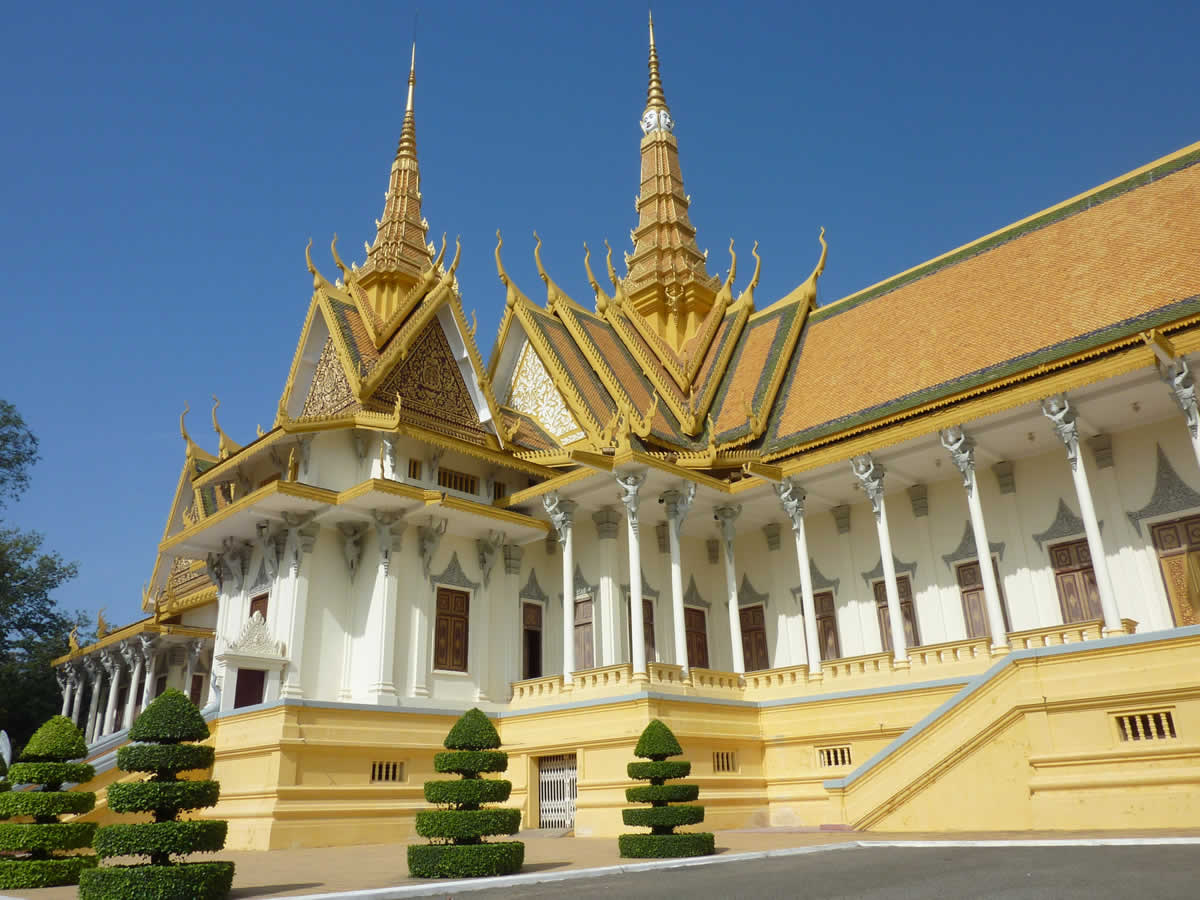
(164, 737)
(33, 630)
(669, 803)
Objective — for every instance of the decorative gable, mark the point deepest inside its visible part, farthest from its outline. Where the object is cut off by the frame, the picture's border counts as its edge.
(329, 392)
(534, 394)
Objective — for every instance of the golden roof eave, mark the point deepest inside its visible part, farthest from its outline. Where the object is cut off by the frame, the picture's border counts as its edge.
(142, 626)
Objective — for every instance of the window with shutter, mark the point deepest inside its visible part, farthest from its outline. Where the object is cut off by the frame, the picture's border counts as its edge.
(450, 630)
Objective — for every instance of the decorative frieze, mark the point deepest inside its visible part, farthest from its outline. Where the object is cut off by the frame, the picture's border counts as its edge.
(691, 597)
(532, 590)
(748, 596)
(255, 639)
(966, 548)
(1065, 524)
(1171, 493)
(902, 568)
(454, 575)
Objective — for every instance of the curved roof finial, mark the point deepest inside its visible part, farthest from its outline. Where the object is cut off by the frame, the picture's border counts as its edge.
(187, 438)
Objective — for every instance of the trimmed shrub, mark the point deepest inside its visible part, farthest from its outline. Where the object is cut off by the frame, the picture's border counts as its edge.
(38, 846)
(656, 744)
(458, 829)
(161, 730)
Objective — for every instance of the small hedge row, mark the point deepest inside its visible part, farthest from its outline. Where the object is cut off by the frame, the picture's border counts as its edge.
(656, 744)
(161, 729)
(459, 828)
(37, 846)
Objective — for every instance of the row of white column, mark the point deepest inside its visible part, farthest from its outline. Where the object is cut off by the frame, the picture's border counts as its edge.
(870, 474)
(107, 666)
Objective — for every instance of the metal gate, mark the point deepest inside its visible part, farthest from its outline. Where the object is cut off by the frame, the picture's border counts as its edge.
(556, 791)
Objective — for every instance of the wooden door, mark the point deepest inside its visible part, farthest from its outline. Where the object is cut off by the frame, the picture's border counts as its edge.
(907, 613)
(970, 584)
(827, 633)
(696, 629)
(1078, 595)
(531, 640)
(195, 692)
(1178, 546)
(451, 630)
(585, 644)
(754, 638)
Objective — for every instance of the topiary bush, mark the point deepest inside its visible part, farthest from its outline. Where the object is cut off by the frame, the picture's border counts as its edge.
(162, 732)
(33, 852)
(457, 830)
(656, 744)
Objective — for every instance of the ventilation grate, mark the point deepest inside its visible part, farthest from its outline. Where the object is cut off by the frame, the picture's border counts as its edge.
(830, 757)
(1146, 726)
(724, 761)
(386, 771)
(458, 481)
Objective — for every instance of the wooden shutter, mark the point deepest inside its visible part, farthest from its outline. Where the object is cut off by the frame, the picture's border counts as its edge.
(531, 620)
(754, 638)
(585, 645)
(881, 611)
(259, 605)
(696, 631)
(908, 613)
(249, 688)
(196, 687)
(451, 629)
(827, 633)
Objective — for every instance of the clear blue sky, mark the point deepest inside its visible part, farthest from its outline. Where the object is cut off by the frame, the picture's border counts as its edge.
(165, 164)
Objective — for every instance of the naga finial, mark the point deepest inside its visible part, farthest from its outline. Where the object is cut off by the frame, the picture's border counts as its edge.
(806, 293)
(318, 278)
(457, 255)
(612, 273)
(537, 255)
(225, 446)
(732, 267)
(337, 260)
(499, 262)
(747, 293)
(183, 432)
(601, 297)
(437, 263)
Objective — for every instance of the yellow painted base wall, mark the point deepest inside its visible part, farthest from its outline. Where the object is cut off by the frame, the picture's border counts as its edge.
(1036, 747)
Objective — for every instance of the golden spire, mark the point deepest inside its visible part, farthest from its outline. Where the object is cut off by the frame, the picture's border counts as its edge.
(400, 246)
(667, 281)
(655, 99)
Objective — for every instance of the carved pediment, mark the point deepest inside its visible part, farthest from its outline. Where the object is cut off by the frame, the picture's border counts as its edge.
(255, 639)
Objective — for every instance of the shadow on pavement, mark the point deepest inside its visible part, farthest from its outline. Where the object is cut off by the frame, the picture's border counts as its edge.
(265, 890)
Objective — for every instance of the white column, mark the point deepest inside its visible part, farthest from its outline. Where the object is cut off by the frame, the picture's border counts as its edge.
(607, 520)
(562, 513)
(380, 634)
(629, 486)
(112, 665)
(726, 516)
(514, 629)
(1059, 411)
(1183, 388)
(480, 646)
(429, 538)
(677, 504)
(77, 680)
(96, 676)
(151, 655)
(133, 657)
(301, 538)
(870, 475)
(64, 685)
(962, 452)
(792, 496)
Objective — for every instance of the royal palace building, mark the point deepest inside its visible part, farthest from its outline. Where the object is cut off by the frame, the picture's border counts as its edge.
(923, 558)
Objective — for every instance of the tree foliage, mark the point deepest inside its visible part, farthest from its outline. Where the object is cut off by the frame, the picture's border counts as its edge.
(33, 630)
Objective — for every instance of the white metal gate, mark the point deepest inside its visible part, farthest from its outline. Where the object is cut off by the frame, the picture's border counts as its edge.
(556, 791)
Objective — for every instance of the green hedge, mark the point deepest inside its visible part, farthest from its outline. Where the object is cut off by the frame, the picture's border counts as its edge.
(662, 793)
(164, 758)
(177, 838)
(663, 816)
(664, 846)
(152, 796)
(657, 771)
(51, 836)
(51, 773)
(467, 824)
(186, 881)
(473, 731)
(45, 803)
(171, 718)
(470, 762)
(657, 742)
(465, 860)
(16, 874)
(56, 741)
(469, 793)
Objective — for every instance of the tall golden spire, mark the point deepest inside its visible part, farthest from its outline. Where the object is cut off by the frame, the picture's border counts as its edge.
(400, 247)
(667, 281)
(655, 99)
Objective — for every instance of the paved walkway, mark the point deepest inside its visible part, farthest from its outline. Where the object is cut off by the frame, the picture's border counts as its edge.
(291, 873)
